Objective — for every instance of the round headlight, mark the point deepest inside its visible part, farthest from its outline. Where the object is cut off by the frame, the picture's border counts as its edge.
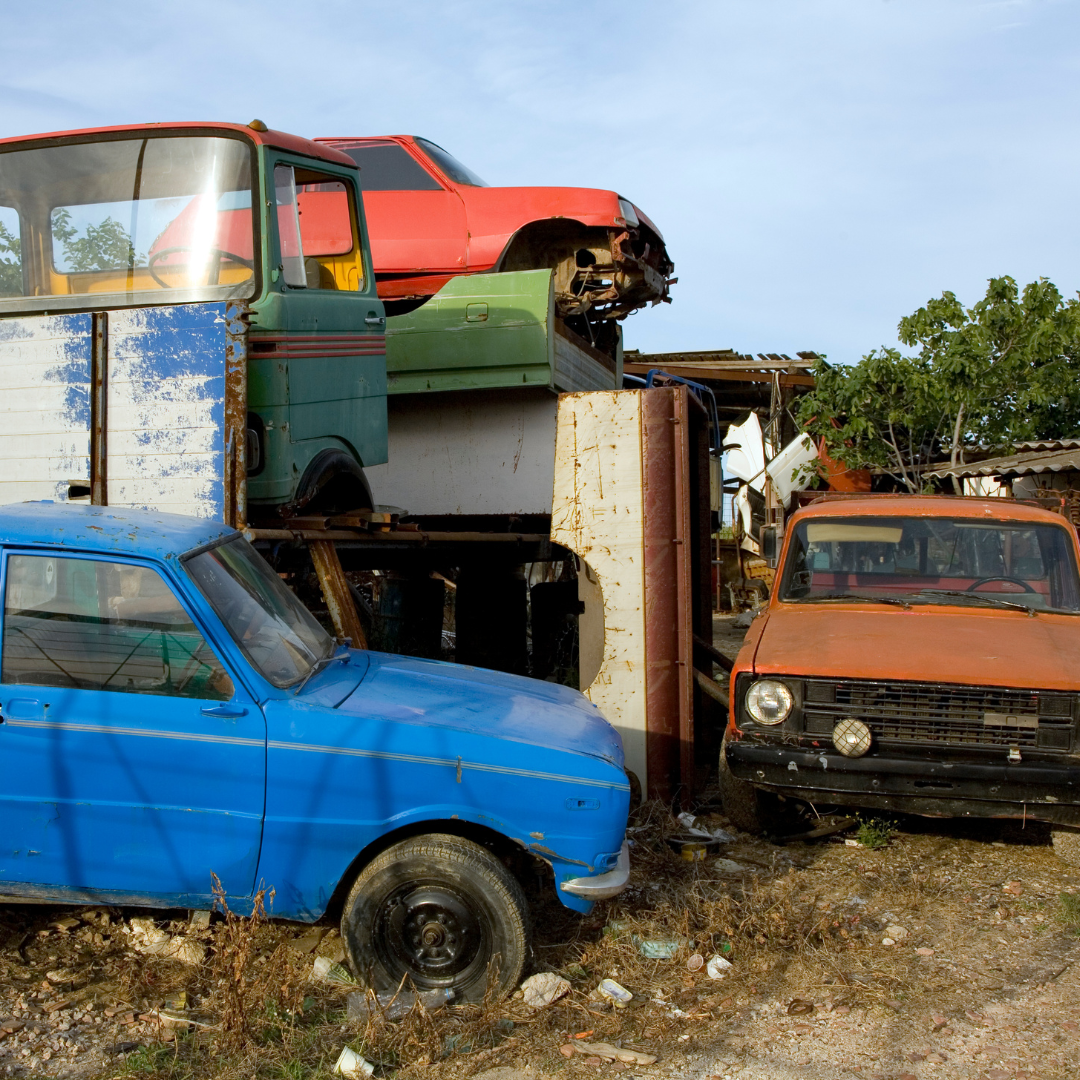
(769, 701)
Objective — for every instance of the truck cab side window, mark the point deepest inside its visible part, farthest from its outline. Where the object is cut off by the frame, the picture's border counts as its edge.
(288, 226)
(90, 625)
(11, 277)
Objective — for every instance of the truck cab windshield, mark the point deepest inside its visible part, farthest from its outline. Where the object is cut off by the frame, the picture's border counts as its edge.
(931, 561)
(124, 221)
(273, 629)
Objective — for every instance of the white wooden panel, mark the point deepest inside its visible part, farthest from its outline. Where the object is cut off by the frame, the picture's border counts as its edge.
(469, 452)
(44, 406)
(166, 417)
(597, 512)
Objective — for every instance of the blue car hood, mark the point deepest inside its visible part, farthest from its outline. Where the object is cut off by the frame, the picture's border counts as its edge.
(434, 694)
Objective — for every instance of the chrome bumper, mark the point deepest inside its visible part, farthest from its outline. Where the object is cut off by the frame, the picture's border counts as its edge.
(604, 885)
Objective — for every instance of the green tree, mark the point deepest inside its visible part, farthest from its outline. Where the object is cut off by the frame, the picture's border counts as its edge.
(101, 247)
(1005, 370)
(10, 263)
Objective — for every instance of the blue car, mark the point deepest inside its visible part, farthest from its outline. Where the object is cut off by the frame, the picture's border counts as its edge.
(171, 711)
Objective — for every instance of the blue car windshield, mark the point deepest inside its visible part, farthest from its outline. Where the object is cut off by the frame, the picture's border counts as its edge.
(272, 628)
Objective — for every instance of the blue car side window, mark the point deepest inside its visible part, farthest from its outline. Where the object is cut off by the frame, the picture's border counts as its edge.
(93, 625)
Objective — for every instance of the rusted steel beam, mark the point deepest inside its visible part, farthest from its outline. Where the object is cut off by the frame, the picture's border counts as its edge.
(713, 653)
(407, 539)
(335, 590)
(709, 687)
(235, 472)
(690, 371)
(99, 362)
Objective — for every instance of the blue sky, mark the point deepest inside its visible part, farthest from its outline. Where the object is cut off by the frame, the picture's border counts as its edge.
(819, 168)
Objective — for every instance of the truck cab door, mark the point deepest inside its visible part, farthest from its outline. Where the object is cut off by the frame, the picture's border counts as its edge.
(132, 763)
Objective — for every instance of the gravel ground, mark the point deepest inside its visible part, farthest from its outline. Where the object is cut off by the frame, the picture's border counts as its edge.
(951, 952)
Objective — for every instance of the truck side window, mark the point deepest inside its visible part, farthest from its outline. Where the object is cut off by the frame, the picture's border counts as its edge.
(288, 227)
(11, 279)
(318, 231)
(90, 625)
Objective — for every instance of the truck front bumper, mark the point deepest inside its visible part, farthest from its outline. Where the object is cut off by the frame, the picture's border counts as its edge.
(1040, 790)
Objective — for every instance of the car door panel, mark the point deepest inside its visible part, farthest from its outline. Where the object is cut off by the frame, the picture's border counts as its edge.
(139, 788)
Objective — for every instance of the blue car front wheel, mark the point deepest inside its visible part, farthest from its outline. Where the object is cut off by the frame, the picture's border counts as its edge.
(442, 912)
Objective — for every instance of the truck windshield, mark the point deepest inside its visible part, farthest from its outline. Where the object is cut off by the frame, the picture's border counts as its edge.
(126, 221)
(273, 629)
(932, 561)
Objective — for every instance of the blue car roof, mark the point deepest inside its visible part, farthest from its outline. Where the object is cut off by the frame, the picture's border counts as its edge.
(106, 529)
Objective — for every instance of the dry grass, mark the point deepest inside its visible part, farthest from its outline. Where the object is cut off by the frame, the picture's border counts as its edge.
(801, 924)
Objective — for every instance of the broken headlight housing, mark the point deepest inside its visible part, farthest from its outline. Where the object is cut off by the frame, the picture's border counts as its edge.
(769, 701)
(626, 208)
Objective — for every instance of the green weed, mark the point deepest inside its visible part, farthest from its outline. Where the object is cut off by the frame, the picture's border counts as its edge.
(875, 833)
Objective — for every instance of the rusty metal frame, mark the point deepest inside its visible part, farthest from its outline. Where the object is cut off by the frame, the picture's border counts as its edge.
(335, 590)
(234, 473)
(669, 739)
(99, 392)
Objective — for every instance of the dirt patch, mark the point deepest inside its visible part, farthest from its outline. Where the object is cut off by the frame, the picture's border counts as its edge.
(981, 980)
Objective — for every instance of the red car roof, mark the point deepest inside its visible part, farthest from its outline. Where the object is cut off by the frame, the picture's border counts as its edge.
(281, 140)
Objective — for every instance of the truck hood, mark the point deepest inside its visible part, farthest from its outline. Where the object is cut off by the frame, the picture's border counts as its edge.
(430, 694)
(981, 647)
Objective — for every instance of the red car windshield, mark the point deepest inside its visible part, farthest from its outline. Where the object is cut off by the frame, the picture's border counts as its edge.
(931, 561)
(450, 165)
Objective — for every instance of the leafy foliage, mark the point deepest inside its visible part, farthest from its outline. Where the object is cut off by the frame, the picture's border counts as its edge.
(10, 263)
(102, 247)
(1005, 370)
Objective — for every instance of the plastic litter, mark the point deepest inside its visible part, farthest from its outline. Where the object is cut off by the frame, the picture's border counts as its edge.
(657, 948)
(613, 1053)
(698, 827)
(362, 1003)
(542, 989)
(718, 967)
(325, 970)
(618, 995)
(350, 1063)
(695, 962)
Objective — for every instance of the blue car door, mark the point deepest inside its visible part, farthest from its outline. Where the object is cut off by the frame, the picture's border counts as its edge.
(131, 763)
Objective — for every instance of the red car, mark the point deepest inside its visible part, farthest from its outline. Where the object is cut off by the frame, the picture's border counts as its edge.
(431, 218)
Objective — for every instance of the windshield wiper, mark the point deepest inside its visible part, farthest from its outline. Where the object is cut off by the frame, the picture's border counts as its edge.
(894, 600)
(319, 665)
(979, 598)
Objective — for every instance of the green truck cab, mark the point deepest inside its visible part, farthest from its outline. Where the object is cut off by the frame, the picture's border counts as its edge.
(188, 321)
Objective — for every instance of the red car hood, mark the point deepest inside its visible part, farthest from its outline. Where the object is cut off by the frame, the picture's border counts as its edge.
(930, 644)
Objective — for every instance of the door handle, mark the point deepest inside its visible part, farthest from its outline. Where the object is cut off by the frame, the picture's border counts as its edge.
(226, 711)
(375, 320)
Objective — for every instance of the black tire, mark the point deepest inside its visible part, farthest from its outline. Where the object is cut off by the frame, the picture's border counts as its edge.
(760, 813)
(444, 912)
(1067, 846)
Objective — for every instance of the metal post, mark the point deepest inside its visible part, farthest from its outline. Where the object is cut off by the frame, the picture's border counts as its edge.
(99, 386)
(335, 590)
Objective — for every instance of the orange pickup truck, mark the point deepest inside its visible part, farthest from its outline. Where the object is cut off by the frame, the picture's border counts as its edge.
(919, 654)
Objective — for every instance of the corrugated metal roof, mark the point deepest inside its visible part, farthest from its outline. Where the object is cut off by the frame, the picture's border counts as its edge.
(1064, 459)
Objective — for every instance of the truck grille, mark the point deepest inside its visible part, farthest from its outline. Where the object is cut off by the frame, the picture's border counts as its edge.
(936, 715)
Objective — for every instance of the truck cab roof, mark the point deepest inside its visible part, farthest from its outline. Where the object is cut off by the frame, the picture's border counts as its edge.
(261, 137)
(893, 505)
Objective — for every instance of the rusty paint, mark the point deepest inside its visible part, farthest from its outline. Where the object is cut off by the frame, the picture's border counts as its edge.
(668, 638)
(335, 590)
(235, 434)
(98, 409)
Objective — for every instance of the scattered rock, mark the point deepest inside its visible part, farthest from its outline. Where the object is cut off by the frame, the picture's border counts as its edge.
(897, 933)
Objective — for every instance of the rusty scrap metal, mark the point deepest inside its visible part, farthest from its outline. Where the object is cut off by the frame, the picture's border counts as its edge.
(335, 590)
